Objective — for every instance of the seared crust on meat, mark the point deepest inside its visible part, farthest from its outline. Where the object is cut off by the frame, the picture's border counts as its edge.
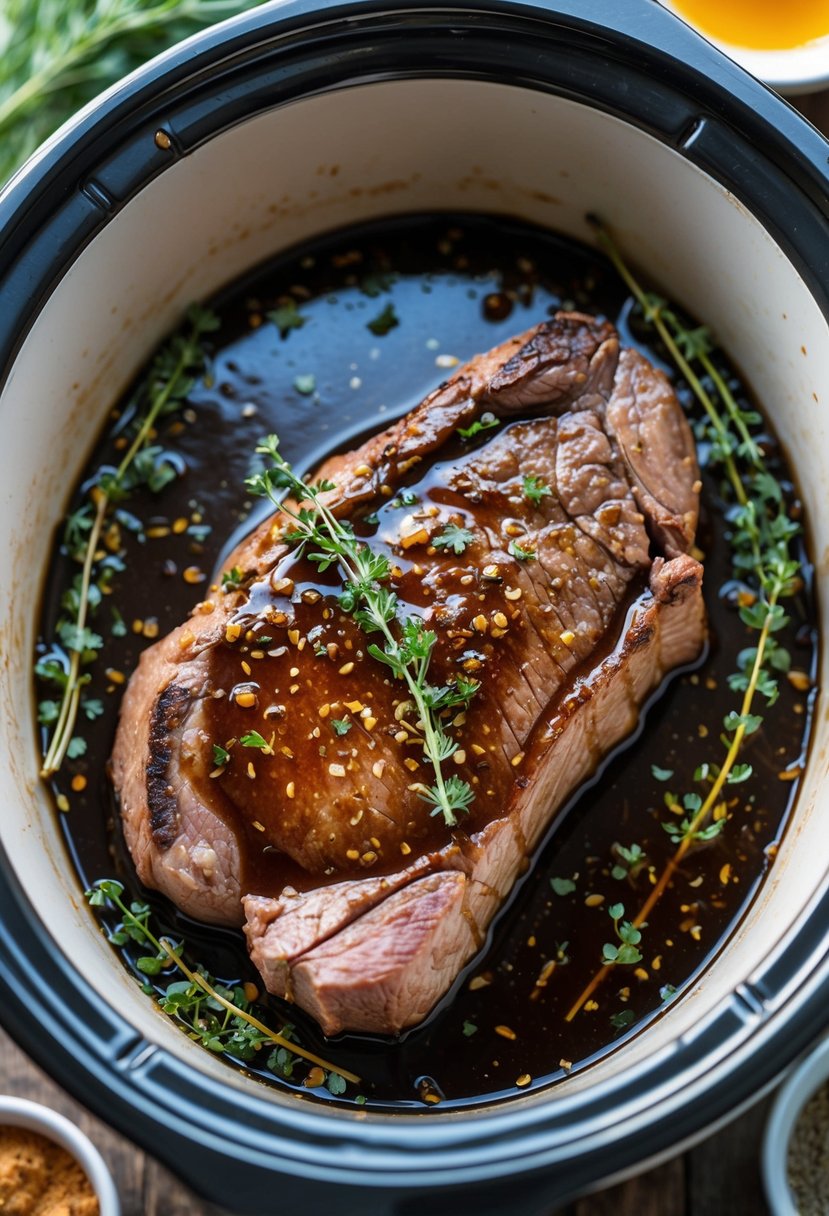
(567, 636)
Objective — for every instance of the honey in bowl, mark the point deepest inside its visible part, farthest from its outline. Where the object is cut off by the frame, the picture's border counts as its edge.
(762, 25)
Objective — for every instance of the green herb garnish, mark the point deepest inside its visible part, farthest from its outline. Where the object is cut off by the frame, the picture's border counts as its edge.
(562, 886)
(56, 58)
(534, 489)
(628, 862)
(220, 755)
(341, 726)
(454, 538)
(407, 646)
(384, 321)
(376, 282)
(761, 537)
(286, 317)
(521, 555)
(485, 423)
(222, 1019)
(232, 579)
(629, 937)
(305, 384)
(254, 739)
(162, 392)
(406, 498)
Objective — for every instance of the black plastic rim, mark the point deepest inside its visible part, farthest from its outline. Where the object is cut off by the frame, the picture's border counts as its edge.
(252, 1153)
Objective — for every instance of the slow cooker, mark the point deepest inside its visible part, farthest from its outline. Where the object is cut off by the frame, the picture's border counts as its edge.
(207, 161)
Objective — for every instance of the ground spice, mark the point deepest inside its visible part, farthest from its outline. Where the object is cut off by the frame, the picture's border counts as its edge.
(808, 1160)
(39, 1178)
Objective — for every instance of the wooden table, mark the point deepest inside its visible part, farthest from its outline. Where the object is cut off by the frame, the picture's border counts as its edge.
(720, 1177)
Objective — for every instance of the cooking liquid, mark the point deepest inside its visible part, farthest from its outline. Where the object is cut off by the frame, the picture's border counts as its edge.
(457, 286)
(762, 25)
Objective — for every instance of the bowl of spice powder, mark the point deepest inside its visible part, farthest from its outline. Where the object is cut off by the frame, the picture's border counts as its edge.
(48, 1167)
(796, 1144)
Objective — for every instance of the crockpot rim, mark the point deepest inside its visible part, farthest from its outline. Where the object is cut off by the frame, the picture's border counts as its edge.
(106, 1055)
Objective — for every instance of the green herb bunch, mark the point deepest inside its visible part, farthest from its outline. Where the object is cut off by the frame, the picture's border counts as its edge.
(64, 667)
(56, 55)
(406, 646)
(762, 534)
(219, 1017)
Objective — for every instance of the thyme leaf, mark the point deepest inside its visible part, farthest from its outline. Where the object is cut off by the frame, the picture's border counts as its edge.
(485, 423)
(534, 489)
(169, 379)
(56, 57)
(762, 533)
(406, 647)
(222, 1018)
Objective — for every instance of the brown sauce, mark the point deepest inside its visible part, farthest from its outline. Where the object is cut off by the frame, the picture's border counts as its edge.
(457, 286)
(338, 792)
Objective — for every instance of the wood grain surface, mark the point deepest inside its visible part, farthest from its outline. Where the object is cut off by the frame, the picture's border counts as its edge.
(720, 1177)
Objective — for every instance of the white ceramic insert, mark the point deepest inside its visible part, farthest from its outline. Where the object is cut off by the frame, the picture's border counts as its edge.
(397, 147)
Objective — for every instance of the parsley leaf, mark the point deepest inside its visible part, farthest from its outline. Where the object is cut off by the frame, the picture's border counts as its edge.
(341, 726)
(534, 488)
(453, 537)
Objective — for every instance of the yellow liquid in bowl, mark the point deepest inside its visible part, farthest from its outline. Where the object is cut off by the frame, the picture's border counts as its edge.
(766, 25)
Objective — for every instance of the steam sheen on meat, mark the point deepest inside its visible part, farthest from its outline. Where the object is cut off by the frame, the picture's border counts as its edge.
(568, 605)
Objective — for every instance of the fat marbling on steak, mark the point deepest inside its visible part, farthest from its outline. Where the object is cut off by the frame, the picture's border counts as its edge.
(568, 605)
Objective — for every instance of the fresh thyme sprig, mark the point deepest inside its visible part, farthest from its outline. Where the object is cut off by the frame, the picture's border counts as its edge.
(761, 536)
(55, 55)
(220, 1018)
(167, 384)
(407, 646)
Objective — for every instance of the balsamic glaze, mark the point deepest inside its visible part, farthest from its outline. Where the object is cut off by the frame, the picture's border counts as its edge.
(457, 286)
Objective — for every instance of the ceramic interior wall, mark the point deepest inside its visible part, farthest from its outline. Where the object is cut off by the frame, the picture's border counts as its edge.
(313, 166)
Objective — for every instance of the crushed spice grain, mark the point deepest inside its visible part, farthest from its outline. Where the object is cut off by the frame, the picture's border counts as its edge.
(39, 1178)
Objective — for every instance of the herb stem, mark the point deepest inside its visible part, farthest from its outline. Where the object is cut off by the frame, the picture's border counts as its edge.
(235, 1011)
(61, 70)
(357, 565)
(68, 714)
(163, 946)
(653, 313)
(148, 422)
(699, 819)
(189, 358)
(760, 542)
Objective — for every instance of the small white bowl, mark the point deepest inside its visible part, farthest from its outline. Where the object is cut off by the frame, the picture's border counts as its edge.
(791, 71)
(803, 1081)
(18, 1112)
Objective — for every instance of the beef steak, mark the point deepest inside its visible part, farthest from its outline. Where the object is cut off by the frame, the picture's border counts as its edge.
(568, 595)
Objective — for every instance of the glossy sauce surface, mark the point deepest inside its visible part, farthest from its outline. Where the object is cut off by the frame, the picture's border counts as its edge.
(339, 788)
(457, 286)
